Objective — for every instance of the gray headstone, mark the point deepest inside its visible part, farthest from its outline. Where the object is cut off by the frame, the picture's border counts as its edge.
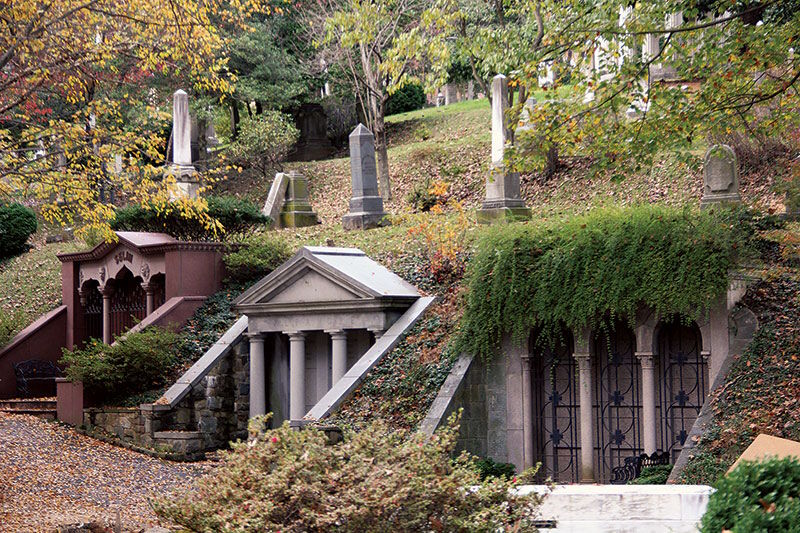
(720, 176)
(366, 205)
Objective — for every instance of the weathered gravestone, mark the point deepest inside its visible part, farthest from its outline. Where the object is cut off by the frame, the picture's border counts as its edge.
(720, 176)
(503, 200)
(287, 203)
(366, 205)
(182, 168)
(312, 123)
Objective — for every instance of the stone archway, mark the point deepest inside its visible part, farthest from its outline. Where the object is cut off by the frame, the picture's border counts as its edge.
(682, 382)
(128, 301)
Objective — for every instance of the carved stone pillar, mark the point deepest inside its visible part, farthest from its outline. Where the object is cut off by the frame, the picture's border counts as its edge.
(527, 412)
(586, 424)
(338, 354)
(149, 291)
(297, 375)
(649, 422)
(258, 392)
(107, 292)
(377, 333)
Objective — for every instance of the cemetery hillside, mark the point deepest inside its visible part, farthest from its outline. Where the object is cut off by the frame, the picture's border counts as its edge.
(452, 266)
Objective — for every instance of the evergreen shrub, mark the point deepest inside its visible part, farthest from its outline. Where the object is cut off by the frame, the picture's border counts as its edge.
(138, 362)
(234, 214)
(653, 475)
(17, 224)
(490, 468)
(260, 255)
(377, 479)
(593, 269)
(409, 98)
(755, 497)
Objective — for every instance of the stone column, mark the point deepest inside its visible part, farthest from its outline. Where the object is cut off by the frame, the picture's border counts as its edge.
(527, 412)
(149, 292)
(297, 375)
(185, 174)
(649, 422)
(583, 357)
(503, 199)
(338, 354)
(107, 292)
(258, 381)
(377, 333)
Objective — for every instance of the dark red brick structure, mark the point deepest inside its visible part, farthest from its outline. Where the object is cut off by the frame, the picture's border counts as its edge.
(144, 278)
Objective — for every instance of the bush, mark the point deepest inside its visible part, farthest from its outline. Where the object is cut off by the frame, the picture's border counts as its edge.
(263, 142)
(756, 496)
(138, 362)
(409, 98)
(17, 224)
(375, 480)
(489, 468)
(586, 270)
(653, 475)
(234, 214)
(258, 257)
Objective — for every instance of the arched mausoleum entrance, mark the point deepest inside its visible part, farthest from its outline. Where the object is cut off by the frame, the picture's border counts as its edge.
(682, 384)
(555, 411)
(128, 301)
(617, 402)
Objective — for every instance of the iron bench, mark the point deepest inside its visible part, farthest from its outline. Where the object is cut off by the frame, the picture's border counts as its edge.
(633, 466)
(36, 377)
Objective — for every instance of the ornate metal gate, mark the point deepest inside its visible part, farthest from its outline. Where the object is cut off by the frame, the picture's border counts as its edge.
(93, 312)
(617, 405)
(128, 303)
(683, 385)
(556, 413)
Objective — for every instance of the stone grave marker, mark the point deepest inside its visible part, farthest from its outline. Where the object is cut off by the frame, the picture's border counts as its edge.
(182, 168)
(366, 205)
(287, 203)
(503, 200)
(720, 176)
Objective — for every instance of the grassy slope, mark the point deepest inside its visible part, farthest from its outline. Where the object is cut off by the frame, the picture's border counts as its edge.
(451, 144)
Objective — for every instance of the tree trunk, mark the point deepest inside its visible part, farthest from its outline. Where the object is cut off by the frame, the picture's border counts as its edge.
(234, 119)
(259, 107)
(381, 153)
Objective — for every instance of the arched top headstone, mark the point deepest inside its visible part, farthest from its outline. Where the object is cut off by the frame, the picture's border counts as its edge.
(720, 175)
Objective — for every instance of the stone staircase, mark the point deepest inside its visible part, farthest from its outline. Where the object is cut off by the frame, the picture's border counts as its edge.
(42, 407)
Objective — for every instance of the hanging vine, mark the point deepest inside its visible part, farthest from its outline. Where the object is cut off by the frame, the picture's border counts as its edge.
(597, 268)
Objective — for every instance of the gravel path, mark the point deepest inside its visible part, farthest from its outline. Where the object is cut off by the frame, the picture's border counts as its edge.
(51, 476)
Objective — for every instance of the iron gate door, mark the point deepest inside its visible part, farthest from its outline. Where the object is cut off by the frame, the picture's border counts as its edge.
(683, 385)
(556, 413)
(617, 400)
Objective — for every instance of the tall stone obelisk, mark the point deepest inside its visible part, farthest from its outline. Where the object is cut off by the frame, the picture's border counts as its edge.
(503, 200)
(185, 174)
(366, 205)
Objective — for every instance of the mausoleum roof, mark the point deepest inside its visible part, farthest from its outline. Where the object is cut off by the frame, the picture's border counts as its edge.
(143, 242)
(316, 276)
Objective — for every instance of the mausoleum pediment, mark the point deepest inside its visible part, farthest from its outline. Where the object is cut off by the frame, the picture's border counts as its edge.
(320, 277)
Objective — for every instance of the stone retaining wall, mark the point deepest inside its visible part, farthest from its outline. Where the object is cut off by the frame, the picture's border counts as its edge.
(213, 414)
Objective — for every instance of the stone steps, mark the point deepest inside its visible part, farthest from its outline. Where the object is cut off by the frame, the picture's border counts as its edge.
(42, 407)
(621, 508)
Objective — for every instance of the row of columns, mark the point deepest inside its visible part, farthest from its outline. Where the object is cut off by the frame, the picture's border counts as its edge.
(297, 369)
(584, 362)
